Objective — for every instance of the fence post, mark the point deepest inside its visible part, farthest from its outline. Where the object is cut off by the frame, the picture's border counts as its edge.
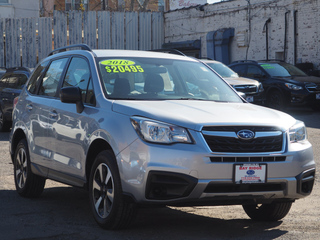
(13, 43)
(75, 27)
(44, 37)
(2, 57)
(29, 53)
(104, 30)
(59, 29)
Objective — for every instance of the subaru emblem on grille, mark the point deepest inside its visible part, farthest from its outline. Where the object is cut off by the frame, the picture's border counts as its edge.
(245, 134)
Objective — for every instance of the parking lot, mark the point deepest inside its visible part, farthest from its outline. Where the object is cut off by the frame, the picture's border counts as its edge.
(63, 211)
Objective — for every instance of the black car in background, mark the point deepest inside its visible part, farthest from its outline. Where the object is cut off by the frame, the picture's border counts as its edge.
(2, 71)
(11, 84)
(285, 85)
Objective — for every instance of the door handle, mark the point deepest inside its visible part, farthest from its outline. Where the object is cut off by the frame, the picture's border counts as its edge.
(53, 114)
(29, 107)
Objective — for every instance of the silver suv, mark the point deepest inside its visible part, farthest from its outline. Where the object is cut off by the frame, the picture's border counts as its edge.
(137, 127)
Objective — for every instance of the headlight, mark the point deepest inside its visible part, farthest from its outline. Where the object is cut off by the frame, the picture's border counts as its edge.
(293, 87)
(159, 132)
(260, 87)
(298, 132)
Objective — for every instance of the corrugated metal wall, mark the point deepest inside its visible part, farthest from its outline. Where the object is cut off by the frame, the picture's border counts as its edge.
(26, 41)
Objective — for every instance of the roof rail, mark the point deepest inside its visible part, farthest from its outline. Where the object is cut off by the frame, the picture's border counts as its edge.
(63, 49)
(242, 61)
(270, 60)
(168, 50)
(19, 69)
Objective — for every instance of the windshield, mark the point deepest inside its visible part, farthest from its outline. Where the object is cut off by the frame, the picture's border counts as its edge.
(282, 69)
(162, 79)
(223, 70)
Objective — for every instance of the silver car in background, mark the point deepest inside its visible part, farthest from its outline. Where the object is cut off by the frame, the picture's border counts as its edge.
(253, 89)
(138, 127)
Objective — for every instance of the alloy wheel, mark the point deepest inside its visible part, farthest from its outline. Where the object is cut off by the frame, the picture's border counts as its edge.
(103, 190)
(21, 168)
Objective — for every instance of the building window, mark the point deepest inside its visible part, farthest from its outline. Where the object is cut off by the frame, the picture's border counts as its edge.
(4, 1)
(76, 4)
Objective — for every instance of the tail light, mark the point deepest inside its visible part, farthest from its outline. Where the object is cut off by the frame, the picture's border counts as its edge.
(15, 101)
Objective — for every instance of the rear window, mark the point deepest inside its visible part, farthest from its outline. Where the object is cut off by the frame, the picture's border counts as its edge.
(162, 79)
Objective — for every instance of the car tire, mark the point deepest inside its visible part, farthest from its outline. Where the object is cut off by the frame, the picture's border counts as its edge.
(4, 125)
(27, 183)
(275, 100)
(267, 212)
(110, 209)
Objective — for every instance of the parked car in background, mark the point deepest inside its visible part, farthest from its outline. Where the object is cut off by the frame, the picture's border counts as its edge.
(285, 85)
(2, 71)
(148, 128)
(251, 88)
(11, 84)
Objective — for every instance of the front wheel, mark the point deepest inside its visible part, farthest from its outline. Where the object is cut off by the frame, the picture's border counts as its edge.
(27, 183)
(4, 125)
(267, 212)
(276, 100)
(110, 209)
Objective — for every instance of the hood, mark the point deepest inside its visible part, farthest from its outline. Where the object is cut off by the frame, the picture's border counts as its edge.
(302, 79)
(241, 81)
(194, 114)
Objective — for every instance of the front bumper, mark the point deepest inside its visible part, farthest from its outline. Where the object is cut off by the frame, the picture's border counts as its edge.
(185, 173)
(258, 98)
(177, 188)
(304, 98)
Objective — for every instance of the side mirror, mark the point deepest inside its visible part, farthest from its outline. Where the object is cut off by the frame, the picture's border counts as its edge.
(72, 95)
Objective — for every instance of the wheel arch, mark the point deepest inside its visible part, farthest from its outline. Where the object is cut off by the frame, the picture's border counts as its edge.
(18, 135)
(95, 148)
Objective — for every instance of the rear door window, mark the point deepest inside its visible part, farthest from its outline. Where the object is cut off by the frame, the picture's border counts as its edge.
(3, 81)
(35, 78)
(17, 81)
(240, 69)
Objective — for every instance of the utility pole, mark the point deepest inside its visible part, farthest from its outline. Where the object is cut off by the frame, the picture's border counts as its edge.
(103, 5)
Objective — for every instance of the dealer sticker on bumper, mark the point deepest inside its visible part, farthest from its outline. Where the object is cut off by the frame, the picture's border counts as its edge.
(249, 99)
(250, 173)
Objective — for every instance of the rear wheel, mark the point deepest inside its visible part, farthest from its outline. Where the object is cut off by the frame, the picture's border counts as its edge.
(276, 100)
(110, 209)
(4, 125)
(267, 212)
(27, 183)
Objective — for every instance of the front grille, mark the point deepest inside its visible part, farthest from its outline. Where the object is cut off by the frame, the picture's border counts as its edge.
(225, 139)
(312, 87)
(238, 128)
(248, 159)
(246, 88)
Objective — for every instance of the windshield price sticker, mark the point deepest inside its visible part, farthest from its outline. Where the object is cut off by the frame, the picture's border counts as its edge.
(318, 96)
(267, 66)
(121, 66)
(250, 173)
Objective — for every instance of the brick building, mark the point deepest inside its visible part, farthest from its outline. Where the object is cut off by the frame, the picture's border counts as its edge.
(47, 6)
(252, 29)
